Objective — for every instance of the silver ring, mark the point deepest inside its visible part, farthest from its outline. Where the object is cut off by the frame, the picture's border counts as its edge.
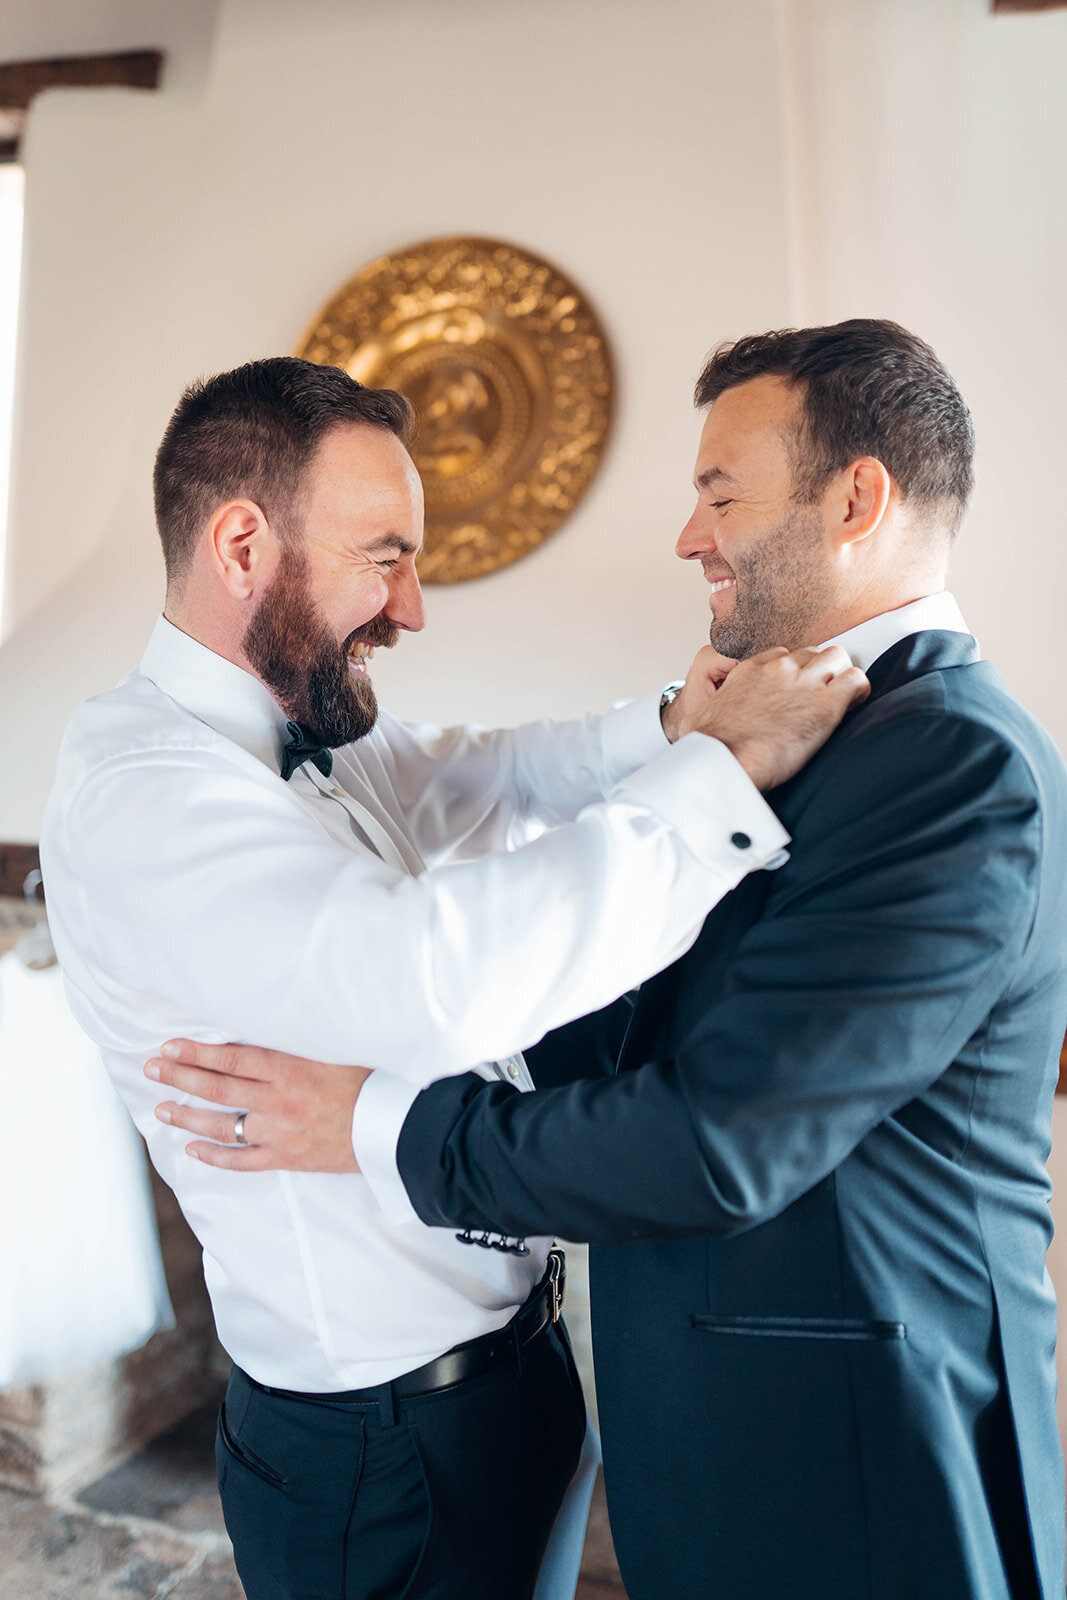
(239, 1129)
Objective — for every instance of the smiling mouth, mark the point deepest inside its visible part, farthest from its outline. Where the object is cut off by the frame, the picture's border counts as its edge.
(359, 655)
(723, 583)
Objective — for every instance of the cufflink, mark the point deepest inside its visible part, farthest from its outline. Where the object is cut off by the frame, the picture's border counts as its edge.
(498, 1241)
(741, 841)
(501, 1242)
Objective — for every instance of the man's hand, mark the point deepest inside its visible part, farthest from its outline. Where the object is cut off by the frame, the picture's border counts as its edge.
(298, 1114)
(776, 709)
(708, 671)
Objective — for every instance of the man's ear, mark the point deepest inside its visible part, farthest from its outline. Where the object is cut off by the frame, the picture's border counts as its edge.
(243, 548)
(860, 499)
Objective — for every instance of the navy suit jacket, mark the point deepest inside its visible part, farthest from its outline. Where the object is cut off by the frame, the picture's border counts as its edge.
(816, 1187)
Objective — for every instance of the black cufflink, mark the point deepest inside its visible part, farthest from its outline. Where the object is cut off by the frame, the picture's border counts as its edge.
(741, 841)
(499, 1241)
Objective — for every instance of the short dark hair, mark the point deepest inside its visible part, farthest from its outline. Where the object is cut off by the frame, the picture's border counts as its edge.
(870, 388)
(251, 434)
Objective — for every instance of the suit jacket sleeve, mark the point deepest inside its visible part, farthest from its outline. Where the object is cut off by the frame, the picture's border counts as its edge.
(880, 949)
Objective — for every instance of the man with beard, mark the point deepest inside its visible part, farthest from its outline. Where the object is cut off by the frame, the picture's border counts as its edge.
(238, 846)
(823, 1328)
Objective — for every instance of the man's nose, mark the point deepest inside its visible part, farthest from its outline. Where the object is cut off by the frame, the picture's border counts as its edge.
(404, 607)
(695, 539)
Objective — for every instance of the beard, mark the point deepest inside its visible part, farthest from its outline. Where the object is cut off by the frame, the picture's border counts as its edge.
(783, 586)
(293, 650)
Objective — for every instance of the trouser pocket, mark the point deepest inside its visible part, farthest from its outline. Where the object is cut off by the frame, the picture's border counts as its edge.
(245, 1457)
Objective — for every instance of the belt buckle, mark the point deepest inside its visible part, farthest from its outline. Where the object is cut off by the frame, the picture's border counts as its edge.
(557, 1279)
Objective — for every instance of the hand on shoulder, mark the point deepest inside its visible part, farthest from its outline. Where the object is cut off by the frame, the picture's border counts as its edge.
(774, 711)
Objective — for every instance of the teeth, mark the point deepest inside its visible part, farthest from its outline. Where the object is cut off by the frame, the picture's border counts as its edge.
(723, 583)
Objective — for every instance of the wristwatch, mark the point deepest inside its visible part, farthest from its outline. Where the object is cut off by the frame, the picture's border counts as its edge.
(670, 693)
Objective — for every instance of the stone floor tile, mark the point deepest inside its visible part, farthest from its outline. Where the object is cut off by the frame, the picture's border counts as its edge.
(47, 1553)
(171, 1481)
(215, 1579)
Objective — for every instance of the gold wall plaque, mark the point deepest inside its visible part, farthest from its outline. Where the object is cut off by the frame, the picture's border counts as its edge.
(508, 369)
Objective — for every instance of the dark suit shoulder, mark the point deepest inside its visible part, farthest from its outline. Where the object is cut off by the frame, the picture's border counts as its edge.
(973, 695)
(943, 733)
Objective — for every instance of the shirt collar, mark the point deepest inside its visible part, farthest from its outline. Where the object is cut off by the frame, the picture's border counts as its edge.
(871, 639)
(223, 695)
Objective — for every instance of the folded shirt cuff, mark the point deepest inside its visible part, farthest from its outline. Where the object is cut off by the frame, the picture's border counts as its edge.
(381, 1107)
(699, 787)
(631, 734)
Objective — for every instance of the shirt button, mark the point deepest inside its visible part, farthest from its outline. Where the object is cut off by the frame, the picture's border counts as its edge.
(513, 1070)
(741, 841)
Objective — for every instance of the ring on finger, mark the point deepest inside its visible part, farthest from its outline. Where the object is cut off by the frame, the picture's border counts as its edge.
(239, 1129)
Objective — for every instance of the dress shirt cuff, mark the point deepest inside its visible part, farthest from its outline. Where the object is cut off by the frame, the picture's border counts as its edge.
(705, 793)
(381, 1107)
(631, 734)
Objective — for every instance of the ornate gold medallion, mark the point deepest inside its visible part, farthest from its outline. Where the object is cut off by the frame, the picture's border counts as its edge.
(508, 369)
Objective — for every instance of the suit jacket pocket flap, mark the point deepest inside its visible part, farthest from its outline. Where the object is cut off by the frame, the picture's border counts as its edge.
(799, 1327)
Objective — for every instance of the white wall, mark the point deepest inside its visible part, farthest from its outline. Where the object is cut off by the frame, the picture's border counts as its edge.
(104, 167)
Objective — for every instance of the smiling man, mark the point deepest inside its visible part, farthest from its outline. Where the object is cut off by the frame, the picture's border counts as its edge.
(815, 1174)
(239, 846)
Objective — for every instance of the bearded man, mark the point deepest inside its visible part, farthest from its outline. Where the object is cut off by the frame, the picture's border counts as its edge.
(815, 1174)
(239, 846)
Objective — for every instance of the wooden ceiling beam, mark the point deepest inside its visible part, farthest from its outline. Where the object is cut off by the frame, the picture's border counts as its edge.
(1029, 5)
(20, 81)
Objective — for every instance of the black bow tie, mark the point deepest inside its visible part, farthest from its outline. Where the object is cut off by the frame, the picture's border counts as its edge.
(303, 746)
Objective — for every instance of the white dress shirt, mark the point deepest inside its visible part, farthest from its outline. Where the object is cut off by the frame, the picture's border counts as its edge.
(392, 916)
(386, 1100)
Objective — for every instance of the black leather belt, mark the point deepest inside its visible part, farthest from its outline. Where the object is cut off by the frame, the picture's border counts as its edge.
(465, 1361)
